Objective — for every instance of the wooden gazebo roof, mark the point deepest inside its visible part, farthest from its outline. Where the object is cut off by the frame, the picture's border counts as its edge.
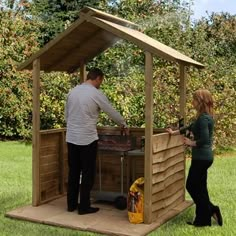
(90, 35)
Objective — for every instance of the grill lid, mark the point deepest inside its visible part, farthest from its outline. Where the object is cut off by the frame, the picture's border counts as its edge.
(120, 143)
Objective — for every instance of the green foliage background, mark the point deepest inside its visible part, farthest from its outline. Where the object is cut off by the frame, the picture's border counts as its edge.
(28, 25)
(17, 42)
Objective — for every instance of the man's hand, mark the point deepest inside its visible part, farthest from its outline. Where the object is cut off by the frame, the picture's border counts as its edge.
(124, 130)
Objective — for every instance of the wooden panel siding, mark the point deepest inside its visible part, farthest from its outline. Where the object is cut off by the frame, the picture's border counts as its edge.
(160, 167)
(49, 167)
(111, 172)
(48, 176)
(52, 164)
(137, 167)
(158, 214)
(49, 140)
(48, 158)
(167, 168)
(49, 185)
(170, 180)
(167, 201)
(159, 177)
(48, 150)
(168, 191)
(168, 174)
(47, 196)
(165, 154)
(165, 141)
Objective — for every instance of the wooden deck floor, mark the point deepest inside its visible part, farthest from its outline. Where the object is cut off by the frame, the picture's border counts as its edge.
(108, 220)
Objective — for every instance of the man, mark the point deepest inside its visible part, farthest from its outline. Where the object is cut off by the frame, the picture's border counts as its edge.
(83, 105)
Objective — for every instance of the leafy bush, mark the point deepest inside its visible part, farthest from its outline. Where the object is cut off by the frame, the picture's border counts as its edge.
(211, 41)
(17, 42)
(54, 88)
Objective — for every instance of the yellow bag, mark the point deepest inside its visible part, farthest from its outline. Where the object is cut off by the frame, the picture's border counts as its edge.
(135, 201)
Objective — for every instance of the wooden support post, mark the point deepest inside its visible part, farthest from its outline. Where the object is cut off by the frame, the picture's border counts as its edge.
(182, 88)
(36, 134)
(148, 138)
(83, 73)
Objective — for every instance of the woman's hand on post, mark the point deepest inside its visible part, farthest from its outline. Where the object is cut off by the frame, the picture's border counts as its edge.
(171, 131)
(189, 142)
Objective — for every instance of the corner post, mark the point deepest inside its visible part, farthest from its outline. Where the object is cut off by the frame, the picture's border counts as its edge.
(148, 138)
(36, 134)
(83, 73)
(182, 89)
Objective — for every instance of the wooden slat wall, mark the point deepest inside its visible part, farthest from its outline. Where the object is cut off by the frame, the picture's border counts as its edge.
(52, 164)
(137, 167)
(53, 167)
(168, 174)
(65, 163)
(111, 173)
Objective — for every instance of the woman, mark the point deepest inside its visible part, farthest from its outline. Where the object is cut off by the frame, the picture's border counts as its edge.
(202, 158)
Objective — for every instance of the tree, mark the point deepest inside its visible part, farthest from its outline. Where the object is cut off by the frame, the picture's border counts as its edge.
(219, 49)
(210, 40)
(17, 42)
(56, 15)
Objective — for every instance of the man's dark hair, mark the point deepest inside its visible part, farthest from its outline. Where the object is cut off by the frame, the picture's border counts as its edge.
(94, 73)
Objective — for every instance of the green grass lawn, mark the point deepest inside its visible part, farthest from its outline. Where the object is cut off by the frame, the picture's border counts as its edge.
(15, 191)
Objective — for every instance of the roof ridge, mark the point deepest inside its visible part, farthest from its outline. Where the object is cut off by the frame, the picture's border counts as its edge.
(87, 12)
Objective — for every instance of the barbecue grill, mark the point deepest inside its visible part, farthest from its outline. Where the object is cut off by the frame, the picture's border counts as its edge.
(116, 143)
(120, 145)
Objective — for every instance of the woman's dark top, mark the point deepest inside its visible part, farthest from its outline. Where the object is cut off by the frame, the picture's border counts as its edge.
(202, 130)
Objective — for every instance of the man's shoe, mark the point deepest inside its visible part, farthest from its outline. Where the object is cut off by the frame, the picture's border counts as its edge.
(217, 216)
(71, 209)
(89, 210)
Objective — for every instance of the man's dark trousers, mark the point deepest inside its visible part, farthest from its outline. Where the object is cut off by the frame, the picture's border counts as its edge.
(81, 160)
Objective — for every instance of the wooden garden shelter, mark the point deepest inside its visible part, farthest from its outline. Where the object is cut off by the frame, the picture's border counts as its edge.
(90, 35)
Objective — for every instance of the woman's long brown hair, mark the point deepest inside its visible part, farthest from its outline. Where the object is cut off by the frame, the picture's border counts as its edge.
(204, 100)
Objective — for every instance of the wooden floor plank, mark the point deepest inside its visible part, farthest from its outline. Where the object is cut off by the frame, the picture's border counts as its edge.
(108, 220)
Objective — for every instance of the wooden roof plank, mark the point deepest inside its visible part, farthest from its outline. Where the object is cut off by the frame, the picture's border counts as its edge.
(99, 51)
(74, 50)
(145, 42)
(50, 44)
(85, 52)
